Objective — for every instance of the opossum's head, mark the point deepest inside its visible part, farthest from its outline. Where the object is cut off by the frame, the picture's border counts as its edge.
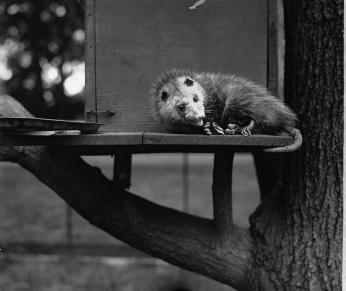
(179, 100)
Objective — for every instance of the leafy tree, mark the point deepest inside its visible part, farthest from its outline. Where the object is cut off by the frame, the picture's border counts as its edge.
(45, 40)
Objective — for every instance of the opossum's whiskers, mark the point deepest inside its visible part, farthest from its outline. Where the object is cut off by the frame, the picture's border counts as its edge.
(211, 110)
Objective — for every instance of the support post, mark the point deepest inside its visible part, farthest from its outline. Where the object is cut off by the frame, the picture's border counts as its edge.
(222, 192)
(269, 166)
(186, 185)
(122, 169)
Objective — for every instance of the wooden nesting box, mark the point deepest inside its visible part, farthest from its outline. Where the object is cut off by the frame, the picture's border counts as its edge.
(130, 42)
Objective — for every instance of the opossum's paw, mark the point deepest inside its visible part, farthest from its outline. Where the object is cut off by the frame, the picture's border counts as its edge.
(206, 128)
(210, 128)
(233, 126)
(246, 131)
(216, 129)
(232, 129)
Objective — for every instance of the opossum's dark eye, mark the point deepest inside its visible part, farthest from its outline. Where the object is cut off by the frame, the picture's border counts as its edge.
(195, 98)
(188, 82)
(182, 107)
(164, 96)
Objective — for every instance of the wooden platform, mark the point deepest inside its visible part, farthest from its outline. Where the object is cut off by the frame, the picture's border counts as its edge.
(146, 142)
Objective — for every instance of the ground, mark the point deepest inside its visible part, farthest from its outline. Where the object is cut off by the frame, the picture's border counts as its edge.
(29, 211)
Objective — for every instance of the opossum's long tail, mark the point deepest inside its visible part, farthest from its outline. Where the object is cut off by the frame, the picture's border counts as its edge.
(298, 140)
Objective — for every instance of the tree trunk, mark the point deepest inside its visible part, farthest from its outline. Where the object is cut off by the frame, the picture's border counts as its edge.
(298, 230)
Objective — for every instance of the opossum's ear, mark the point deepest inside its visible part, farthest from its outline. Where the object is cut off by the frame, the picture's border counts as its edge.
(188, 82)
(164, 95)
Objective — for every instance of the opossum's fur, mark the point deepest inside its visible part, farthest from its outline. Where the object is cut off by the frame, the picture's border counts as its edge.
(226, 99)
(244, 100)
(167, 112)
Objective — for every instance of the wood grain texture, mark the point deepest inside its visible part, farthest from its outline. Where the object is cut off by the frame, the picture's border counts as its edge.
(281, 49)
(275, 48)
(196, 139)
(90, 60)
(137, 40)
(147, 139)
(96, 139)
(14, 124)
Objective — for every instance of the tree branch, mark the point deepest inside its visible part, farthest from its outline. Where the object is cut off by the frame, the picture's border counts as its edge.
(184, 240)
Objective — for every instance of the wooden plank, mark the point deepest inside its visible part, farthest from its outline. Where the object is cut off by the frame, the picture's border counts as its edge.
(281, 49)
(275, 48)
(97, 139)
(139, 138)
(215, 140)
(102, 150)
(109, 143)
(90, 61)
(137, 40)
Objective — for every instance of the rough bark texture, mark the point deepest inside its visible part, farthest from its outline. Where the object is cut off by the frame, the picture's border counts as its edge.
(188, 241)
(181, 239)
(296, 233)
(298, 229)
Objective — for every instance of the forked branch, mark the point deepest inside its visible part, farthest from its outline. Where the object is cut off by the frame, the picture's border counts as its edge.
(185, 240)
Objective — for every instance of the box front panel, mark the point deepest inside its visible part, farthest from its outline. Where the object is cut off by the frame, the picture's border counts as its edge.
(137, 40)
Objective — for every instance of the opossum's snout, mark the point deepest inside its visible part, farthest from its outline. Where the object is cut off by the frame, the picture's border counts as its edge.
(195, 120)
(198, 121)
(191, 113)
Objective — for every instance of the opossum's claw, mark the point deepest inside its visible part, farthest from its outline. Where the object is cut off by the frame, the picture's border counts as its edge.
(206, 125)
(206, 128)
(233, 126)
(230, 131)
(210, 128)
(207, 131)
(246, 131)
(217, 129)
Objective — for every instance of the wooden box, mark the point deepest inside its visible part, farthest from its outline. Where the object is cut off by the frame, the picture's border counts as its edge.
(130, 42)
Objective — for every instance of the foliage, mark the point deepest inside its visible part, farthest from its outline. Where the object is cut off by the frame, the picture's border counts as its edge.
(45, 40)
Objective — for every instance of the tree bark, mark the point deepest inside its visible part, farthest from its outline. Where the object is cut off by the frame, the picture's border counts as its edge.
(295, 238)
(185, 240)
(298, 229)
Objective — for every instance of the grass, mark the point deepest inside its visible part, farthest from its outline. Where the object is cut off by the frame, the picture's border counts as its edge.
(83, 274)
(30, 211)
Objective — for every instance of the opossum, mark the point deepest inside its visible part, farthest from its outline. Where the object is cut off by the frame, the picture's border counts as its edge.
(215, 103)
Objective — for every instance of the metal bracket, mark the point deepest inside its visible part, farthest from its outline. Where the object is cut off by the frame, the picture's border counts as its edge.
(108, 112)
